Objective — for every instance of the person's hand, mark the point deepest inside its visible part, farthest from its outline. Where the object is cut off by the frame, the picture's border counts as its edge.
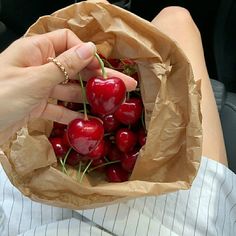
(27, 79)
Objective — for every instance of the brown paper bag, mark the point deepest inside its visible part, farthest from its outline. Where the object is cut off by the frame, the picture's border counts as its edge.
(170, 159)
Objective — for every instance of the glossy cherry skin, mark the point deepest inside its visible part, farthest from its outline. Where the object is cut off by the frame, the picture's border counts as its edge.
(110, 123)
(125, 140)
(98, 152)
(129, 161)
(59, 147)
(115, 173)
(130, 111)
(105, 95)
(85, 135)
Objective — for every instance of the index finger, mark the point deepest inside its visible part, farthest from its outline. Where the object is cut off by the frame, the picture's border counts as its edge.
(65, 39)
(62, 40)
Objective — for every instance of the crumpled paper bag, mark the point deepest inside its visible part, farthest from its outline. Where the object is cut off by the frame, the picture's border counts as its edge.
(170, 159)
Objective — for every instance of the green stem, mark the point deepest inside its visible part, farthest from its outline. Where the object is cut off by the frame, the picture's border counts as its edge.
(128, 96)
(66, 156)
(104, 164)
(79, 170)
(102, 65)
(63, 166)
(84, 97)
(85, 170)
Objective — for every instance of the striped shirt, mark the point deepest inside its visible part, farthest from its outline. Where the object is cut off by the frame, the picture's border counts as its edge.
(208, 208)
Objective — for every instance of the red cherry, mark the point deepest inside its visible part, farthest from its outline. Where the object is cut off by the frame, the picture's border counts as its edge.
(129, 160)
(135, 76)
(98, 152)
(59, 147)
(115, 63)
(115, 173)
(142, 136)
(110, 124)
(98, 162)
(57, 125)
(125, 139)
(73, 158)
(105, 95)
(65, 139)
(85, 135)
(107, 146)
(114, 153)
(130, 111)
(74, 106)
(58, 130)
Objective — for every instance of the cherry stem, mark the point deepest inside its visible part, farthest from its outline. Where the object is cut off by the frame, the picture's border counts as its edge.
(128, 96)
(85, 170)
(79, 170)
(66, 156)
(83, 97)
(102, 65)
(104, 164)
(63, 166)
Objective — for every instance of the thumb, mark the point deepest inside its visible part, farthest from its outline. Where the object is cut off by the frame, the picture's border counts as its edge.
(73, 60)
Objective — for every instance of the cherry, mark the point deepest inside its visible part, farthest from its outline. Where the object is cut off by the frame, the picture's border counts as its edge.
(74, 106)
(129, 160)
(98, 162)
(114, 153)
(114, 63)
(130, 111)
(84, 135)
(74, 158)
(105, 95)
(59, 147)
(110, 124)
(107, 146)
(57, 125)
(125, 139)
(142, 136)
(98, 152)
(135, 76)
(115, 173)
(65, 139)
(58, 130)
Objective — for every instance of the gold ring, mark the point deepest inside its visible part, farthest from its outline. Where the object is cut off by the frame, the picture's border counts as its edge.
(61, 67)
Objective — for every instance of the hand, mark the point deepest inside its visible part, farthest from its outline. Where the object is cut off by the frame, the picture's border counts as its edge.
(28, 80)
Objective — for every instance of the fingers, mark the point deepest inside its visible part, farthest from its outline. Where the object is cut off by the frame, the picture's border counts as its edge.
(61, 40)
(130, 83)
(60, 114)
(73, 60)
(70, 93)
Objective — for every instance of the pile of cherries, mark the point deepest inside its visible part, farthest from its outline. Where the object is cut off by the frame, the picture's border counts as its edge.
(108, 139)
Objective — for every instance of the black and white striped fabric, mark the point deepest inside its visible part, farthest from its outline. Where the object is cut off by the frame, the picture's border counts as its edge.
(208, 208)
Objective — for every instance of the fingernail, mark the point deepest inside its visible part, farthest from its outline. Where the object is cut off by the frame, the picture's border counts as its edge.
(86, 50)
